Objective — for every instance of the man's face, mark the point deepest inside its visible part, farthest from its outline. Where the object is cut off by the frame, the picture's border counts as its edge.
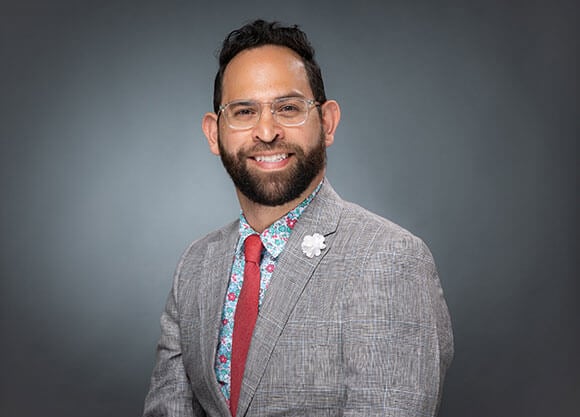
(271, 164)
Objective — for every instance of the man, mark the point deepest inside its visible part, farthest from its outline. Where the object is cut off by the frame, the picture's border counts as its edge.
(307, 305)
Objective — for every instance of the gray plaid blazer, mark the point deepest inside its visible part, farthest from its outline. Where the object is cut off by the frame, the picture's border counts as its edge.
(361, 330)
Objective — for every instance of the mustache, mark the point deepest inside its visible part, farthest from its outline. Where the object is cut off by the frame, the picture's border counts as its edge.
(274, 146)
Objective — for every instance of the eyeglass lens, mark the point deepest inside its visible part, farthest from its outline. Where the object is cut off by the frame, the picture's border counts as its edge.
(288, 111)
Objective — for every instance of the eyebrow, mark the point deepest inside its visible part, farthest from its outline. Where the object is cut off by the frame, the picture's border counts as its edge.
(250, 101)
(244, 102)
(290, 96)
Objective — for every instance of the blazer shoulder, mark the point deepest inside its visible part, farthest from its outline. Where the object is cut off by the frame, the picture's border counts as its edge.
(375, 234)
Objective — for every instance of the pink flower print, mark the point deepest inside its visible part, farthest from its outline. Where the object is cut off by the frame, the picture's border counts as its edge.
(270, 268)
(290, 222)
(223, 359)
(225, 322)
(231, 296)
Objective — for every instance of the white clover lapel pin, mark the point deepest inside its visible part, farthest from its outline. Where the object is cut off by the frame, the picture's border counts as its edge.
(312, 245)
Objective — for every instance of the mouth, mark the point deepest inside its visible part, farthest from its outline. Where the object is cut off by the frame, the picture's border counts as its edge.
(271, 158)
(273, 161)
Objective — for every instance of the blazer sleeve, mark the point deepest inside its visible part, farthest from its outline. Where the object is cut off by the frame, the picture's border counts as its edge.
(170, 394)
(397, 336)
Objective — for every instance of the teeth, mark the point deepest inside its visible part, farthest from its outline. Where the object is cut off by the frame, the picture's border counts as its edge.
(272, 158)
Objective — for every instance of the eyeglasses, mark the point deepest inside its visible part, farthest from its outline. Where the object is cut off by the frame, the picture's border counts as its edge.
(287, 111)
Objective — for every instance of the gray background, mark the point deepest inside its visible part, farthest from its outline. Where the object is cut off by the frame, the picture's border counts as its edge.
(460, 122)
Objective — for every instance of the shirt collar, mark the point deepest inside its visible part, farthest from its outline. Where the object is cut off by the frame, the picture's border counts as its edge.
(274, 237)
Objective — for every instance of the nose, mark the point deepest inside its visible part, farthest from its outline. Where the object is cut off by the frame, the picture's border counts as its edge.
(267, 129)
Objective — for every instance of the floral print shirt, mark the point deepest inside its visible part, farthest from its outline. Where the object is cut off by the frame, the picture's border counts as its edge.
(274, 239)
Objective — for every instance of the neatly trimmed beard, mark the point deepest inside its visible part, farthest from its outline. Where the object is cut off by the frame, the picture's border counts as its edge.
(275, 188)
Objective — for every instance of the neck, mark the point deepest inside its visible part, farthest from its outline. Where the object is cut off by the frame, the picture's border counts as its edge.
(260, 217)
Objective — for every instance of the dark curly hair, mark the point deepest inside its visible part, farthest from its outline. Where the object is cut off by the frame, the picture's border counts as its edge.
(259, 33)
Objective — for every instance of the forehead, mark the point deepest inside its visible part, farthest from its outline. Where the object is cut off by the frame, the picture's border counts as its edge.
(264, 73)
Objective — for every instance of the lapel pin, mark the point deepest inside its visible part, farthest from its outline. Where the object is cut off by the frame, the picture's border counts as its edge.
(313, 245)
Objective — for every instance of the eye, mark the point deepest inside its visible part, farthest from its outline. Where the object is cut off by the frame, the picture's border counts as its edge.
(289, 108)
(243, 111)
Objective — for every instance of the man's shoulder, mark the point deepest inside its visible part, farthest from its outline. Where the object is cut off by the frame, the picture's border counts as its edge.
(378, 233)
(360, 228)
(362, 217)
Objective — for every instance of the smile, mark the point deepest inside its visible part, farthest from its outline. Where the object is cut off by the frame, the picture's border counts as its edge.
(271, 158)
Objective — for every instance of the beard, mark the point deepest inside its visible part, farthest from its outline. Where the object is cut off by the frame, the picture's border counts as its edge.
(276, 188)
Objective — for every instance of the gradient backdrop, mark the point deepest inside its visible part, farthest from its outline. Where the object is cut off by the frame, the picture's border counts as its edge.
(460, 122)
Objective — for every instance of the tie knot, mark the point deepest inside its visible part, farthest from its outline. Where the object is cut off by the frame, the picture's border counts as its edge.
(253, 249)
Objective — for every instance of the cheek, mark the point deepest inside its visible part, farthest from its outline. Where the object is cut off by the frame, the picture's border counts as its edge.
(230, 143)
(313, 135)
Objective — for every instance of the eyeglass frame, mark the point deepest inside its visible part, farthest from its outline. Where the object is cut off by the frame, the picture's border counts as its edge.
(310, 102)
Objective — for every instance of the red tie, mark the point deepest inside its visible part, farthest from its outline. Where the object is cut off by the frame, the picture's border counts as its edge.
(245, 317)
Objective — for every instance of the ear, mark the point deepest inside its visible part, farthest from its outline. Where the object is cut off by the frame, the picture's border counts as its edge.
(330, 119)
(209, 125)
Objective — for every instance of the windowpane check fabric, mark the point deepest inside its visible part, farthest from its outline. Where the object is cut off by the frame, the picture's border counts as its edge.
(360, 331)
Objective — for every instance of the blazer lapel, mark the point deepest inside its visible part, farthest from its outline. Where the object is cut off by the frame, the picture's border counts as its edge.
(213, 288)
(293, 271)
